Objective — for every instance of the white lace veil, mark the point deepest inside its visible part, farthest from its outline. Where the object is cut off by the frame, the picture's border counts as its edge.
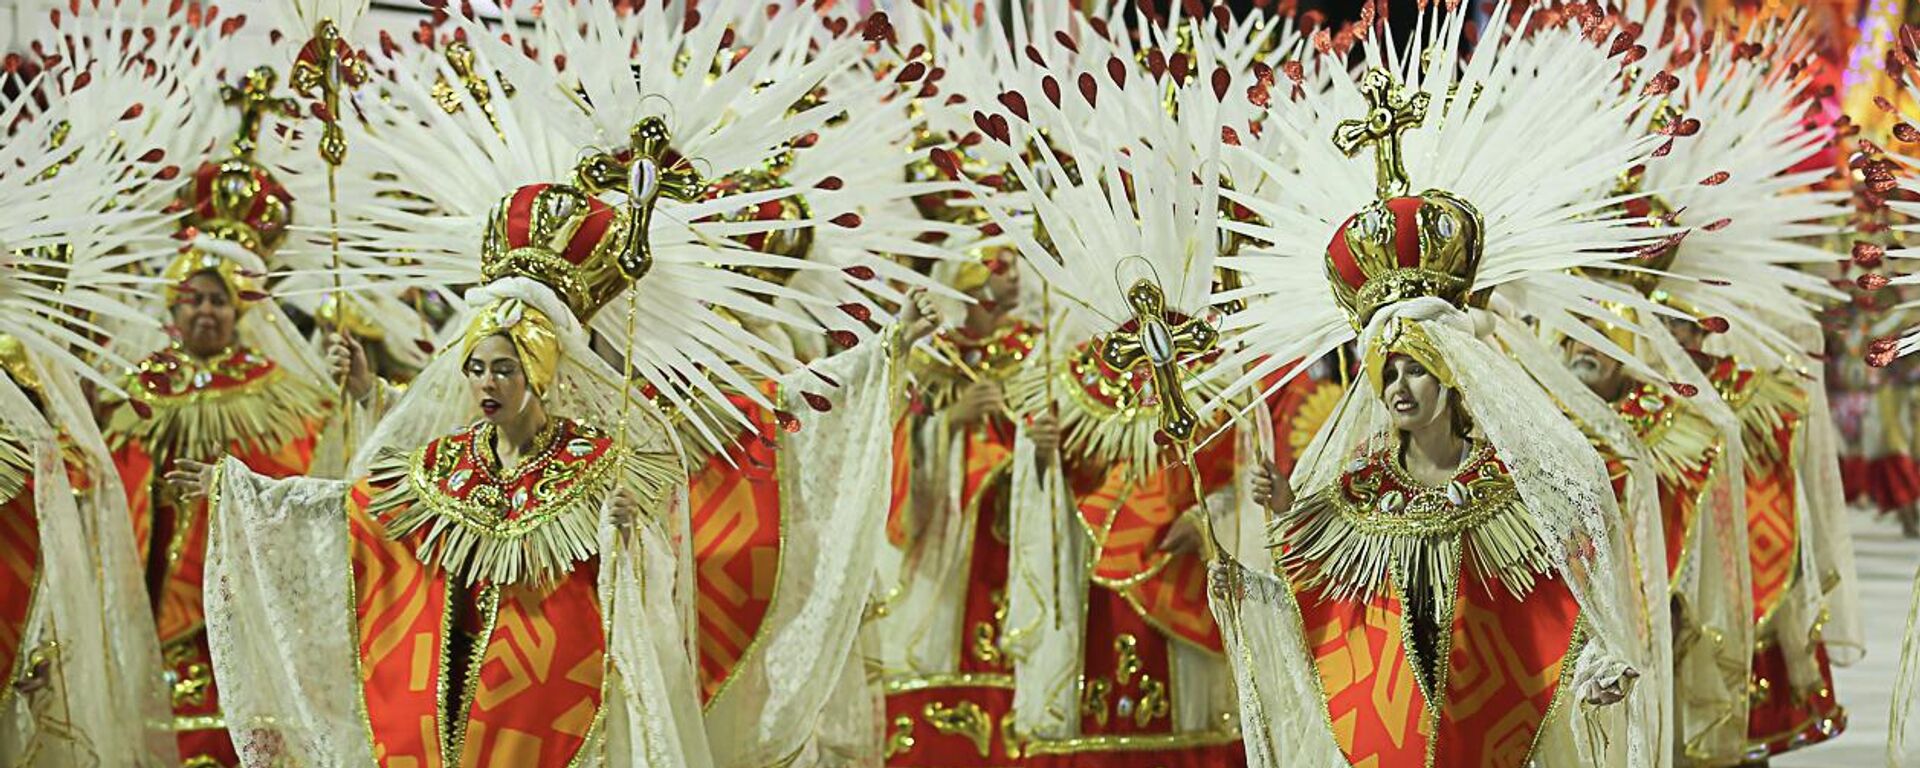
(1564, 484)
(280, 551)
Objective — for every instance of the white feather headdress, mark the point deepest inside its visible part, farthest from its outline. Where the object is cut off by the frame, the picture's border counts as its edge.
(1528, 128)
(85, 179)
(443, 141)
(1735, 180)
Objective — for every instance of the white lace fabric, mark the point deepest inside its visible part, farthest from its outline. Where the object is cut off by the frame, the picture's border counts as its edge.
(788, 695)
(104, 702)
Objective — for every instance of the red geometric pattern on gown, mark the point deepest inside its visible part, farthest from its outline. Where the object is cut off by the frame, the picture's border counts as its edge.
(1772, 531)
(537, 686)
(931, 748)
(989, 451)
(1504, 672)
(735, 503)
(1170, 591)
(174, 573)
(1372, 696)
(19, 572)
(1782, 720)
(1503, 666)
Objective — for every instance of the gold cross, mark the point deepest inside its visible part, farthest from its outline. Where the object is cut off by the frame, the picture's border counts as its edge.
(650, 171)
(253, 95)
(1160, 346)
(1389, 113)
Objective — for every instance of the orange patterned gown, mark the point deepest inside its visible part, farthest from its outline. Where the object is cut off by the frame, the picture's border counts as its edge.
(180, 407)
(946, 713)
(1437, 635)
(480, 633)
(734, 499)
(1788, 710)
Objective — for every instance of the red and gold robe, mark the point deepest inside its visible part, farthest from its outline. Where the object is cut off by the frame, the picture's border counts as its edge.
(958, 717)
(1437, 635)
(1786, 713)
(180, 407)
(471, 651)
(19, 554)
(1141, 604)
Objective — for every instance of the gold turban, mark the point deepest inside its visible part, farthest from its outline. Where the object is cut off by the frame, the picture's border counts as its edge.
(531, 332)
(242, 288)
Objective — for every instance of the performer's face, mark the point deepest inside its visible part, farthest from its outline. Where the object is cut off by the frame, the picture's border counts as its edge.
(1415, 398)
(1599, 372)
(204, 312)
(499, 382)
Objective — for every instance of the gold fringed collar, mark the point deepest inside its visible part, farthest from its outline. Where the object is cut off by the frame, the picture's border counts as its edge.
(1768, 404)
(179, 405)
(1376, 525)
(1682, 442)
(527, 527)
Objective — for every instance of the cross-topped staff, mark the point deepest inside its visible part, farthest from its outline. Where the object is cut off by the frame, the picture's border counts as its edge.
(1155, 343)
(1161, 346)
(324, 66)
(1389, 114)
(253, 95)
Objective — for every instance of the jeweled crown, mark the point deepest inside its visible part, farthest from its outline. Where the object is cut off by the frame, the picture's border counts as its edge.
(566, 237)
(235, 198)
(1400, 246)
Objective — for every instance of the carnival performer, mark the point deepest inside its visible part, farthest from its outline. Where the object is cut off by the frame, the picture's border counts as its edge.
(1116, 657)
(234, 377)
(1450, 514)
(943, 579)
(1741, 294)
(83, 683)
(707, 251)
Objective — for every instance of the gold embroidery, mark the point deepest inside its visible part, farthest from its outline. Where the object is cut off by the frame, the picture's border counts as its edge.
(964, 719)
(900, 741)
(189, 418)
(474, 538)
(1347, 539)
(1128, 663)
(1093, 699)
(191, 679)
(986, 649)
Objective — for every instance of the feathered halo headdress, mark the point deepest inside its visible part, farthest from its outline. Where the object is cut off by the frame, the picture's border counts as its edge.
(450, 131)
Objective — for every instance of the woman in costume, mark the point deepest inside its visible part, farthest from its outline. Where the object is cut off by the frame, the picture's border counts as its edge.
(1741, 295)
(1450, 514)
(1116, 657)
(685, 328)
(235, 377)
(549, 516)
(82, 678)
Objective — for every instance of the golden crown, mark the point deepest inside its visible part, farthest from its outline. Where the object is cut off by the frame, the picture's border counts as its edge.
(566, 237)
(1399, 247)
